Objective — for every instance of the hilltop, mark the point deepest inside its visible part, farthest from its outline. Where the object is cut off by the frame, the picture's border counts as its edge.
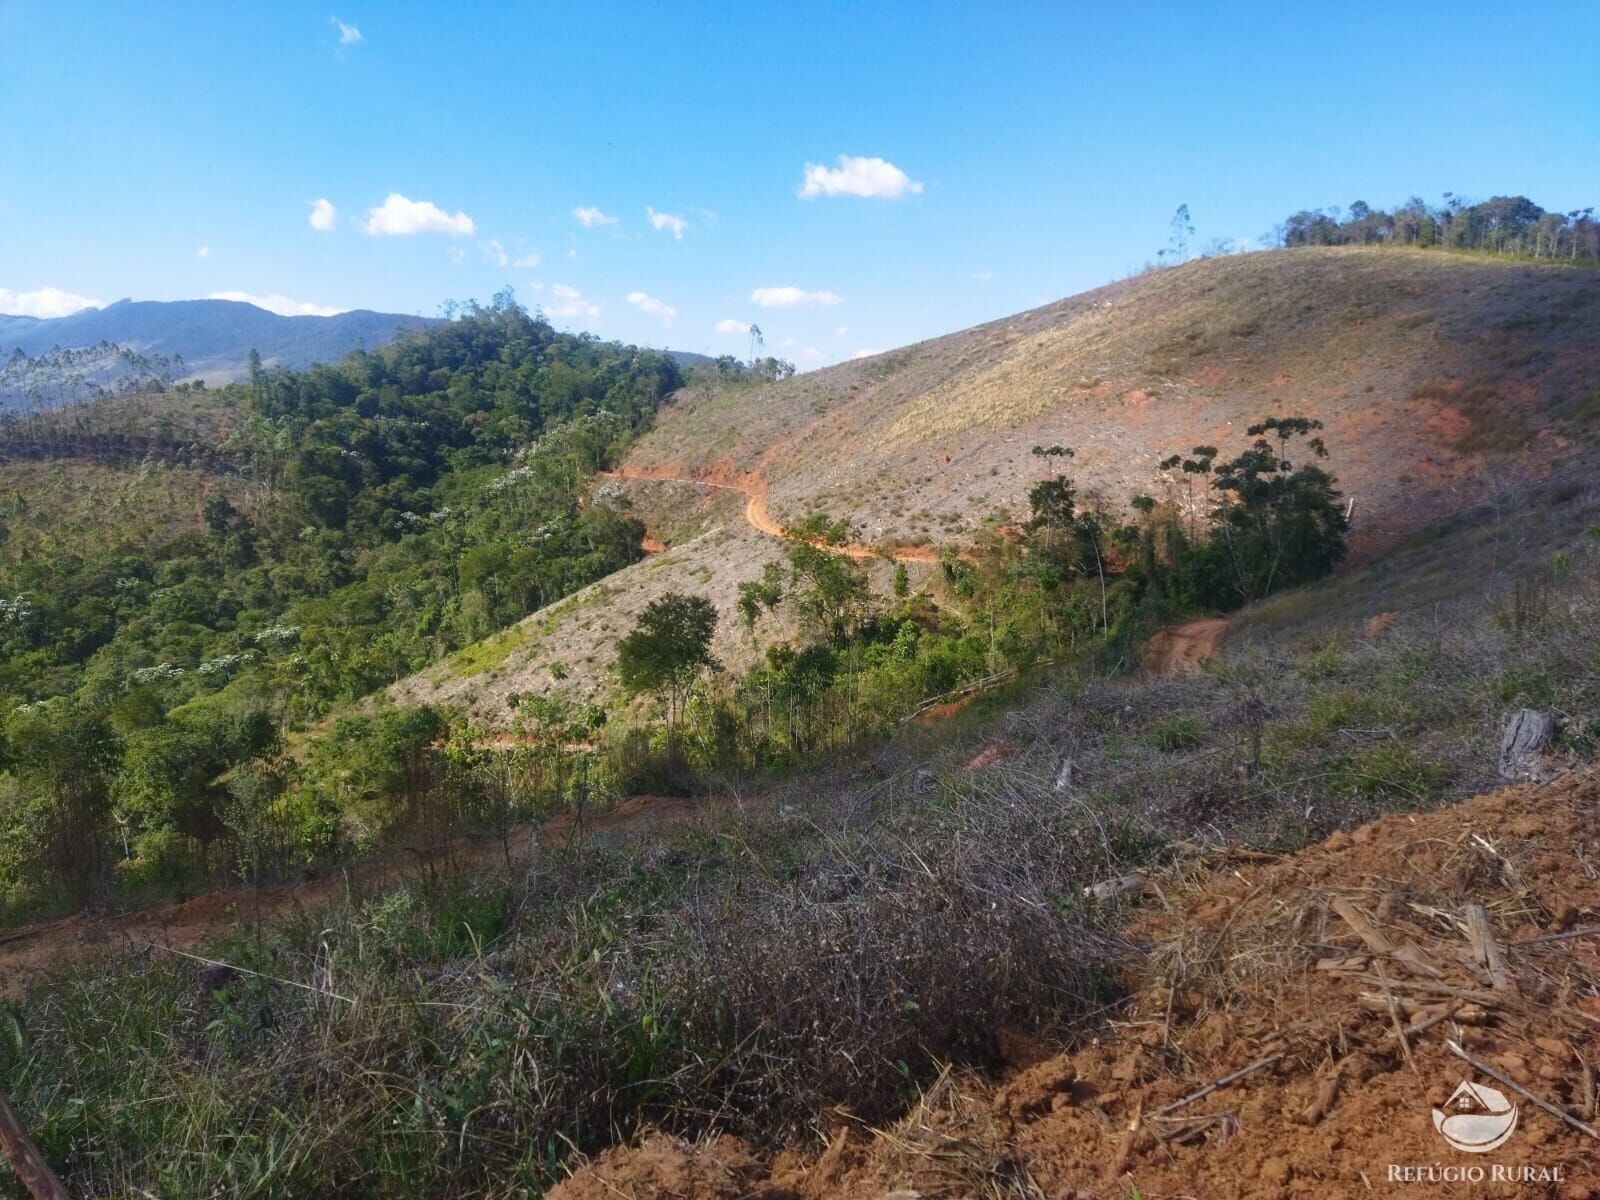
(1443, 380)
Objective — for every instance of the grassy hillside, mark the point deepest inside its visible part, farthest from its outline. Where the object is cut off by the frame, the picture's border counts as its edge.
(1430, 371)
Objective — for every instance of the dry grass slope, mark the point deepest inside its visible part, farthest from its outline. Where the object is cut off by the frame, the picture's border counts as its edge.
(1432, 372)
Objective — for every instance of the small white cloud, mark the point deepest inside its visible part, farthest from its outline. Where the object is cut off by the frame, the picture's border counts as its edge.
(569, 302)
(527, 261)
(323, 215)
(841, 331)
(349, 35)
(855, 176)
(983, 276)
(812, 354)
(787, 344)
(399, 216)
(729, 325)
(793, 297)
(865, 353)
(45, 303)
(648, 304)
(589, 218)
(495, 252)
(667, 222)
(281, 305)
(203, 252)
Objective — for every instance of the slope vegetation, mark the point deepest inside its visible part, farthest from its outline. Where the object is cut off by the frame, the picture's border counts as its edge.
(1443, 380)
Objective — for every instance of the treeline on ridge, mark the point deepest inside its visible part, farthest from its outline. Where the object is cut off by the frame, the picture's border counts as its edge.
(1511, 225)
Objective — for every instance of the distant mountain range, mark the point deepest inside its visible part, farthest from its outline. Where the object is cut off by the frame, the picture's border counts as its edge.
(214, 337)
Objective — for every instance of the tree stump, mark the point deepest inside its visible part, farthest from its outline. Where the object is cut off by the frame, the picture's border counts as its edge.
(1527, 734)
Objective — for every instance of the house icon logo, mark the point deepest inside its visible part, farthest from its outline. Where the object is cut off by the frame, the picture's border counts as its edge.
(1476, 1119)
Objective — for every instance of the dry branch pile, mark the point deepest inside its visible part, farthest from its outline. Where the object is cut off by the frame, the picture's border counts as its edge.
(1294, 1025)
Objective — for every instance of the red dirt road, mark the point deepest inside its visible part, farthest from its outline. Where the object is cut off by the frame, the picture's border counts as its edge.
(759, 517)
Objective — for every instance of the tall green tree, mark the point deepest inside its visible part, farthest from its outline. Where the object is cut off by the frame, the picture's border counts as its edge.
(667, 651)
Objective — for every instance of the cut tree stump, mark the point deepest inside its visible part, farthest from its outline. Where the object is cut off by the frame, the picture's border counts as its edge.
(1528, 733)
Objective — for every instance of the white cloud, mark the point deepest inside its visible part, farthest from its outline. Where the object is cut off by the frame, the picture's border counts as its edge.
(569, 302)
(648, 304)
(323, 215)
(865, 353)
(591, 217)
(45, 303)
(281, 305)
(812, 354)
(398, 216)
(349, 35)
(203, 252)
(527, 261)
(983, 276)
(841, 331)
(667, 222)
(495, 252)
(729, 325)
(856, 176)
(793, 297)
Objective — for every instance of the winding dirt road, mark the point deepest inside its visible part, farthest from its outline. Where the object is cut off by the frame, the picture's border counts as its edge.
(759, 517)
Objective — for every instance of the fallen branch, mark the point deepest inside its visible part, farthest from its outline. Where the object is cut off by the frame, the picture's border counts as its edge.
(212, 962)
(1370, 934)
(1225, 1081)
(25, 1158)
(1586, 931)
(1555, 1111)
(1484, 948)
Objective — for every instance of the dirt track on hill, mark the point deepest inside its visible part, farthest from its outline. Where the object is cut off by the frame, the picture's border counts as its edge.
(759, 517)
(1181, 649)
(34, 950)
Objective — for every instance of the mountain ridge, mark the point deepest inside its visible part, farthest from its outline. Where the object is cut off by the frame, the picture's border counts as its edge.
(213, 337)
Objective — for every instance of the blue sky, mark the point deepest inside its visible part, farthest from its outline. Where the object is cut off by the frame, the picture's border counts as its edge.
(167, 151)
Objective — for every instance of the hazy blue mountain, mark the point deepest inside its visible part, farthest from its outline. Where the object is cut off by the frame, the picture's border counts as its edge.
(214, 337)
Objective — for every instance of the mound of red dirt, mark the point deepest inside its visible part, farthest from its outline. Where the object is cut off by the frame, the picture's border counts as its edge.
(1298, 1026)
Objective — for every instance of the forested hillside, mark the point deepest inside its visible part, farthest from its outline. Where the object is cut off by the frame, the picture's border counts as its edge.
(173, 607)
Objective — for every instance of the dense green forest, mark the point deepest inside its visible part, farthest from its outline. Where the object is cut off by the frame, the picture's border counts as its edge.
(360, 521)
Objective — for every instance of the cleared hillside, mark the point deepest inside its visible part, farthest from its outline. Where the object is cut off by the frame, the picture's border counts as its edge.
(1432, 372)
(1445, 381)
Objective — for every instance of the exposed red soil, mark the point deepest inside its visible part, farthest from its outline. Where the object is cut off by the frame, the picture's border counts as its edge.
(31, 950)
(759, 516)
(1182, 649)
(1344, 968)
